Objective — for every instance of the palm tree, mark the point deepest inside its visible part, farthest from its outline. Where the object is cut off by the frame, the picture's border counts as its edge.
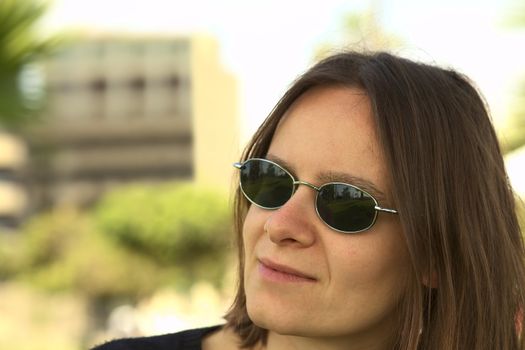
(20, 45)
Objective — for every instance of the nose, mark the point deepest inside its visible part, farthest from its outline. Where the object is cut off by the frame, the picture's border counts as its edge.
(295, 222)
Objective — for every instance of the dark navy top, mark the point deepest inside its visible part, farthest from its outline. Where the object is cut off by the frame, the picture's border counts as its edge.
(186, 340)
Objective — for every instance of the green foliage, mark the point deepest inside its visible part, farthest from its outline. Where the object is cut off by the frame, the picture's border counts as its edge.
(10, 248)
(136, 240)
(20, 44)
(17, 35)
(60, 250)
(172, 223)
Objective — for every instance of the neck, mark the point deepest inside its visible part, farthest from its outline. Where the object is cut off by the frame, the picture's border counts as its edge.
(290, 342)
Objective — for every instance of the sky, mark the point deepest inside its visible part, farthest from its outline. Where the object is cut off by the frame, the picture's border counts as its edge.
(267, 43)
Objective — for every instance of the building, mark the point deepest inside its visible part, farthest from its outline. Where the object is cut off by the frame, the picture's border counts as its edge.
(123, 109)
(13, 162)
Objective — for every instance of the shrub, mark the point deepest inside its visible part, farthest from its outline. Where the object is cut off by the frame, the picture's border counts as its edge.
(172, 223)
(137, 239)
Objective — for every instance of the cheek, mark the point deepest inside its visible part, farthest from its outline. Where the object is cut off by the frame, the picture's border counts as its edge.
(252, 229)
(372, 266)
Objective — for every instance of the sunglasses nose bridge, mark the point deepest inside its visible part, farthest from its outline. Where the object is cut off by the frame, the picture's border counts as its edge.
(298, 182)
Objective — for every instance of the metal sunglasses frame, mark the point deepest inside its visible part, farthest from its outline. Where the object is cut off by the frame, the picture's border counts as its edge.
(296, 183)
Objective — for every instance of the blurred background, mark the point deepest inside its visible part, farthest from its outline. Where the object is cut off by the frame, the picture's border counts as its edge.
(119, 122)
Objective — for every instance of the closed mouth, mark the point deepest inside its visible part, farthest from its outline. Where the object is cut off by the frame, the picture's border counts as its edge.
(284, 272)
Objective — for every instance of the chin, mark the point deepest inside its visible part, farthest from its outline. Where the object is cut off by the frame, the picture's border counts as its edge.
(271, 319)
(277, 326)
(284, 323)
(285, 313)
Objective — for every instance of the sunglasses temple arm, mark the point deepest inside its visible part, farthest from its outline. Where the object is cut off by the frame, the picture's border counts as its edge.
(237, 165)
(391, 211)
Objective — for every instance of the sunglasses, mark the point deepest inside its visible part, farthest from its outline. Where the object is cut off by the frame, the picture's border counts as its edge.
(343, 207)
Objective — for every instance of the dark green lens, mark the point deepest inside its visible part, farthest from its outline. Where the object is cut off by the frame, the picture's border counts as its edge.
(346, 208)
(265, 183)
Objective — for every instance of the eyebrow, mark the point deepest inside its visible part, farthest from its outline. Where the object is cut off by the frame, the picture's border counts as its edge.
(336, 176)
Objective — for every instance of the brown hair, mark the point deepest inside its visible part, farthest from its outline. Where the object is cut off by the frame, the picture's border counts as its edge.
(456, 206)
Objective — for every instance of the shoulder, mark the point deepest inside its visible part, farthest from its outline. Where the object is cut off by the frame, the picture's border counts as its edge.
(188, 340)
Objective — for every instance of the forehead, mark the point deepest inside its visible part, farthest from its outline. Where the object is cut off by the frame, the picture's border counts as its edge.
(331, 129)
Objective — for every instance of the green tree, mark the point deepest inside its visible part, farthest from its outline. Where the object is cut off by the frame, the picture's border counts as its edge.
(20, 45)
(137, 239)
(176, 224)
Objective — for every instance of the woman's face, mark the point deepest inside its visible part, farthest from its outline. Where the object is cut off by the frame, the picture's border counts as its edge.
(354, 281)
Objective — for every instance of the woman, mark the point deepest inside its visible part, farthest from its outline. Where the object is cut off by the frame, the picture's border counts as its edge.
(374, 212)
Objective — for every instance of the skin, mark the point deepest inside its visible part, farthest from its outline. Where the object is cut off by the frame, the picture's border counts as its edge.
(356, 280)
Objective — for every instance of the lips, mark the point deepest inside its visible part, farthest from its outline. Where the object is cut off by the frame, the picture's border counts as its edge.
(283, 272)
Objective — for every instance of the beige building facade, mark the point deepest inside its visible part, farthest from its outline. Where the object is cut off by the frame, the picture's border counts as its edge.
(122, 109)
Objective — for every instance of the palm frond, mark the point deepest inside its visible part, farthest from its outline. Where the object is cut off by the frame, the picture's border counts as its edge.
(20, 44)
